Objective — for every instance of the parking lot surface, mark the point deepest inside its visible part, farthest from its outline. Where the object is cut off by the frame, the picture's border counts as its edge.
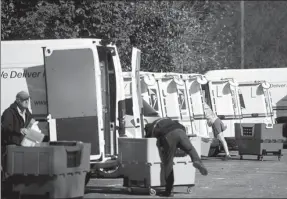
(235, 178)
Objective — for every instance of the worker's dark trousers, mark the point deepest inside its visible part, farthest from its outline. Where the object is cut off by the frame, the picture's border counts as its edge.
(169, 143)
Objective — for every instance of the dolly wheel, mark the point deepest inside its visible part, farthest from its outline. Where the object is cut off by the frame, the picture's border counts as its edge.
(130, 190)
(260, 157)
(152, 192)
(189, 190)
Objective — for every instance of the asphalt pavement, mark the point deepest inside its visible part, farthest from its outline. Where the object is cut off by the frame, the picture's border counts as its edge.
(247, 178)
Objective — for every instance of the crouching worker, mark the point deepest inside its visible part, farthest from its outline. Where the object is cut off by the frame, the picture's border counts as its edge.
(217, 127)
(171, 135)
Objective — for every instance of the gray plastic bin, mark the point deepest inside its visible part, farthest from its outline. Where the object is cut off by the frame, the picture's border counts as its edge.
(258, 139)
(205, 146)
(51, 158)
(55, 169)
(70, 185)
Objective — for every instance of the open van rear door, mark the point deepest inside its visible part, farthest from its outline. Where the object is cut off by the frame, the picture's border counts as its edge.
(224, 99)
(73, 82)
(255, 101)
(136, 93)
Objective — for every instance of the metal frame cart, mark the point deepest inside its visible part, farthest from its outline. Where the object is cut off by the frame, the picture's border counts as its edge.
(259, 139)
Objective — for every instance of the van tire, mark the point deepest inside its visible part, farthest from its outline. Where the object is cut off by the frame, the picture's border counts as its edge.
(109, 173)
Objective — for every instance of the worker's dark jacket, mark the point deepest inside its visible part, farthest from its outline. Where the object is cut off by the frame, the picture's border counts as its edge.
(161, 127)
(12, 122)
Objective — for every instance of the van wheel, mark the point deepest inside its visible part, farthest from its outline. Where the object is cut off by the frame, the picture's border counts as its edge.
(213, 152)
(109, 173)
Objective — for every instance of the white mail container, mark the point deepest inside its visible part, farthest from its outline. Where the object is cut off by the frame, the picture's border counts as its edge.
(141, 164)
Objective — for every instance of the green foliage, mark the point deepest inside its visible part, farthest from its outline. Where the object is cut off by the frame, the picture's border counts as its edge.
(182, 36)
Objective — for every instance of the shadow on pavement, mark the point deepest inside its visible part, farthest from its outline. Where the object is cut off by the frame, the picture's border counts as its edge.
(237, 158)
(264, 159)
(142, 192)
(116, 191)
(106, 189)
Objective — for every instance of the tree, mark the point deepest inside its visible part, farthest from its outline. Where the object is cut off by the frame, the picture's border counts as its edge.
(181, 36)
(40, 20)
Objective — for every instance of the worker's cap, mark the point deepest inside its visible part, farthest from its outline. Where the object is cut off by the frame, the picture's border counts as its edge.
(22, 95)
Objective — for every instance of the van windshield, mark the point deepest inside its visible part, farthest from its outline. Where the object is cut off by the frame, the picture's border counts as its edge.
(148, 111)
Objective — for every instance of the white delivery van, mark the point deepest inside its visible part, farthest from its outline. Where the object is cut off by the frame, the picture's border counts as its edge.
(260, 98)
(276, 77)
(222, 96)
(165, 97)
(179, 97)
(76, 90)
(148, 111)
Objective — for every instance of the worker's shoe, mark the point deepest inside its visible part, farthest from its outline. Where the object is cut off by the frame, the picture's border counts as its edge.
(198, 165)
(123, 136)
(227, 157)
(167, 194)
